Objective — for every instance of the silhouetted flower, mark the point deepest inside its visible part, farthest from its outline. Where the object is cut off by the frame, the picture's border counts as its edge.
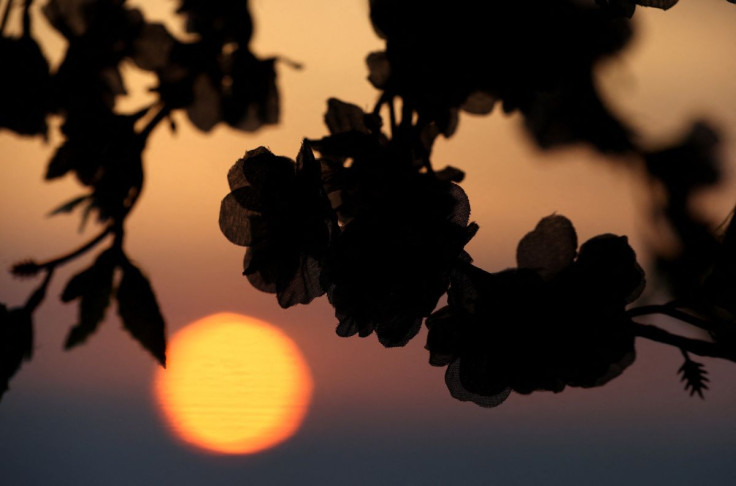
(392, 262)
(402, 229)
(215, 78)
(535, 57)
(100, 34)
(278, 209)
(104, 152)
(560, 323)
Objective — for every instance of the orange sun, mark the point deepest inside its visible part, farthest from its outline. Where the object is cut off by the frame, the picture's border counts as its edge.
(233, 385)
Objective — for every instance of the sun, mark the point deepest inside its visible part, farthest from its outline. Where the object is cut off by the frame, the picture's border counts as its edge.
(233, 385)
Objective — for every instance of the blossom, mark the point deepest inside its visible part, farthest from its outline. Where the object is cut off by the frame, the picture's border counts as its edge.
(557, 320)
(402, 230)
(279, 210)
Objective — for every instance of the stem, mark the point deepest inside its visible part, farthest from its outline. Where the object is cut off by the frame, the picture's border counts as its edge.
(51, 264)
(289, 62)
(161, 115)
(392, 115)
(694, 346)
(668, 310)
(6, 14)
(40, 293)
(27, 18)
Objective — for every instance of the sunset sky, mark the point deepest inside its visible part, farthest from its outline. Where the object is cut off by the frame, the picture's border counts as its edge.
(378, 415)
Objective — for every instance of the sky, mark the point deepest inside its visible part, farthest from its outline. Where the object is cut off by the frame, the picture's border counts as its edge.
(378, 415)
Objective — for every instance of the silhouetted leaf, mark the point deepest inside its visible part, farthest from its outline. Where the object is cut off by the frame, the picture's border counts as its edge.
(140, 312)
(69, 206)
(93, 288)
(694, 376)
(16, 342)
(25, 86)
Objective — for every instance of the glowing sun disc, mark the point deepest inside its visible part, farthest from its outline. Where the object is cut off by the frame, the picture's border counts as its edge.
(233, 385)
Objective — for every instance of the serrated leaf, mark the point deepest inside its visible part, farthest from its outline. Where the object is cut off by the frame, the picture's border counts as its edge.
(93, 287)
(694, 376)
(139, 310)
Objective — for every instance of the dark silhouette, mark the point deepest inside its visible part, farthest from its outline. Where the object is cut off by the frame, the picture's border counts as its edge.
(214, 78)
(370, 222)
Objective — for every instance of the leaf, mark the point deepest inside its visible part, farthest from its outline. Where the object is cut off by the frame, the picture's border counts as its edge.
(69, 206)
(93, 287)
(16, 342)
(140, 312)
(693, 374)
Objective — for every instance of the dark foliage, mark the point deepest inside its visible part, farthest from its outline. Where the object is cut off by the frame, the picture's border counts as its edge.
(16, 342)
(444, 57)
(140, 312)
(214, 78)
(26, 95)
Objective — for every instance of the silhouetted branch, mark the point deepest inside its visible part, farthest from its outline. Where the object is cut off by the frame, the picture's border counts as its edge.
(160, 116)
(694, 346)
(79, 251)
(669, 310)
(27, 18)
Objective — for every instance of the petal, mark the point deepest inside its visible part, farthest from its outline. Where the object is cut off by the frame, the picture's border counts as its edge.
(235, 221)
(550, 248)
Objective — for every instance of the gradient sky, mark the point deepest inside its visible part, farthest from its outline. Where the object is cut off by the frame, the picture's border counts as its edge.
(378, 415)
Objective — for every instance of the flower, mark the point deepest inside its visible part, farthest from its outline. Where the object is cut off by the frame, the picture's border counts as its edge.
(402, 229)
(557, 320)
(279, 210)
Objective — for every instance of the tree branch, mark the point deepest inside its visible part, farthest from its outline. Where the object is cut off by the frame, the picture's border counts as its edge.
(694, 346)
(49, 265)
(669, 310)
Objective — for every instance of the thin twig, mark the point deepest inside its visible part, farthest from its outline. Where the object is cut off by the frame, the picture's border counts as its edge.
(158, 117)
(79, 251)
(40, 293)
(27, 18)
(694, 346)
(669, 310)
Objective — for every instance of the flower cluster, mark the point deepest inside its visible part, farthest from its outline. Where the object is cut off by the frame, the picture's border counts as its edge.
(557, 320)
(362, 224)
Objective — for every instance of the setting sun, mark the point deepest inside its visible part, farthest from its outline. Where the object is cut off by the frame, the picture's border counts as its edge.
(233, 385)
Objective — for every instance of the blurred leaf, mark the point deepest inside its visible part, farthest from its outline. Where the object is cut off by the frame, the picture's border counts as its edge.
(16, 342)
(69, 206)
(140, 312)
(93, 287)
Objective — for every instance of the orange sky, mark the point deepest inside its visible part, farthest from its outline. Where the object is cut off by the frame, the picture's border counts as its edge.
(680, 67)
